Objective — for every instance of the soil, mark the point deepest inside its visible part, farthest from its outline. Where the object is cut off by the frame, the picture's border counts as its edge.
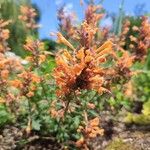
(13, 138)
(131, 140)
(117, 137)
(120, 136)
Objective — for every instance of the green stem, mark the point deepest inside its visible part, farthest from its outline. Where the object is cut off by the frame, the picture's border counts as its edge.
(44, 91)
(67, 106)
(29, 108)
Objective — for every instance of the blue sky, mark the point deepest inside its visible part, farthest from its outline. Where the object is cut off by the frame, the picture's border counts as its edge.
(48, 10)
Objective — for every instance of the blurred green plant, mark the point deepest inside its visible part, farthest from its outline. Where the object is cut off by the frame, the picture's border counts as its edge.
(50, 45)
(119, 144)
(140, 119)
(119, 20)
(5, 116)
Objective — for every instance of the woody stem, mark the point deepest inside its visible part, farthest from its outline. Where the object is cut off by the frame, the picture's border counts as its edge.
(67, 105)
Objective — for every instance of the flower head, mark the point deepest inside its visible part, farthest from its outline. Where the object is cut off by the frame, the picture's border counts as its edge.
(81, 69)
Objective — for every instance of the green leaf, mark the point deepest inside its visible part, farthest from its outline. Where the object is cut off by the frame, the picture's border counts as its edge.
(5, 116)
(146, 108)
(36, 124)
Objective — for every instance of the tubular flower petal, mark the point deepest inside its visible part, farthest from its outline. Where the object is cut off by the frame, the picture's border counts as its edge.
(62, 40)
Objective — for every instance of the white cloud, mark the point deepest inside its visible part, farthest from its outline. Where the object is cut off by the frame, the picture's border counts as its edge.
(106, 22)
(58, 2)
(68, 8)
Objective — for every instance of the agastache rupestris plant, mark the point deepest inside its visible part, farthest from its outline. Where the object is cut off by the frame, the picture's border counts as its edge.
(64, 103)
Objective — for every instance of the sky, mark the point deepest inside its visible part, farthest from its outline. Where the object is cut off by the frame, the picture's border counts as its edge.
(48, 9)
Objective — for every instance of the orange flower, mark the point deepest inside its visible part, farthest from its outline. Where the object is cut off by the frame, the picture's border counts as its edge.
(106, 45)
(143, 39)
(30, 94)
(80, 142)
(16, 83)
(62, 40)
(126, 60)
(26, 75)
(28, 83)
(33, 45)
(29, 58)
(4, 23)
(94, 122)
(87, 34)
(5, 34)
(4, 74)
(35, 78)
(93, 129)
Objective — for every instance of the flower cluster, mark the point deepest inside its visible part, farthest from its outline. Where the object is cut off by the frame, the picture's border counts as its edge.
(93, 14)
(26, 83)
(91, 130)
(86, 35)
(143, 40)
(81, 70)
(28, 15)
(8, 66)
(4, 35)
(136, 38)
(123, 35)
(123, 66)
(36, 49)
(66, 22)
